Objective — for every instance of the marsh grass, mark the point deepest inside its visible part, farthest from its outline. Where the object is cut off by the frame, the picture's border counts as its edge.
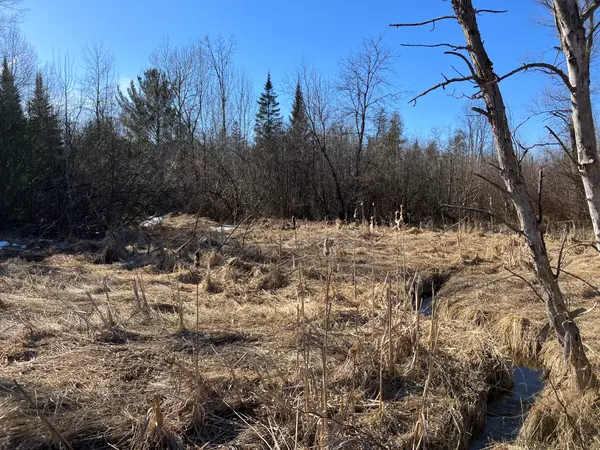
(268, 342)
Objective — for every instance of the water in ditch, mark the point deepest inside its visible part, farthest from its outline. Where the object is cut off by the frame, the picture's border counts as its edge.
(506, 414)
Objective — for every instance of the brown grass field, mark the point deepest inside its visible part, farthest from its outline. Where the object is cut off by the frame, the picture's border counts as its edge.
(266, 342)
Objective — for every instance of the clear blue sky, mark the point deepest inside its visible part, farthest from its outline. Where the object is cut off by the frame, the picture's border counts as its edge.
(277, 35)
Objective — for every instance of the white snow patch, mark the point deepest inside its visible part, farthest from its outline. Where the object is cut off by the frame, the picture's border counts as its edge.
(224, 228)
(152, 221)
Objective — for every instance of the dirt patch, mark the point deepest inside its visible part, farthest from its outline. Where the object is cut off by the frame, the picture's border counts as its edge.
(166, 308)
(25, 355)
(117, 335)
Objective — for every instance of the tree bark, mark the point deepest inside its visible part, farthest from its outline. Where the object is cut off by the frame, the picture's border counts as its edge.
(576, 49)
(558, 314)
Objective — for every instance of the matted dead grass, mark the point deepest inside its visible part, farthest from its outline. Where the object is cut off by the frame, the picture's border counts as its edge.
(231, 348)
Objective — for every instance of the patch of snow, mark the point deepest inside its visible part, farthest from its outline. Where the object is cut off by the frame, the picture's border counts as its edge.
(153, 221)
(224, 228)
(12, 245)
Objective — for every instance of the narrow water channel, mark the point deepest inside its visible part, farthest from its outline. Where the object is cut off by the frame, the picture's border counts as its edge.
(425, 305)
(507, 413)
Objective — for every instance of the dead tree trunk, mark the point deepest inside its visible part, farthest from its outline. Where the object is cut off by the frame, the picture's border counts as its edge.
(576, 47)
(558, 314)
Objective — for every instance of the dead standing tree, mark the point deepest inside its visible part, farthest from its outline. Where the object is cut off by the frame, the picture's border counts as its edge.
(576, 44)
(487, 84)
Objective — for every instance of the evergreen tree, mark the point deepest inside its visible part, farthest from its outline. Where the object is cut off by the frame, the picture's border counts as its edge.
(299, 159)
(12, 143)
(395, 134)
(298, 119)
(45, 150)
(268, 119)
(148, 111)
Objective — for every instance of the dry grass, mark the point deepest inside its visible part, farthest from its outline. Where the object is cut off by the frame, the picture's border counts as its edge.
(249, 346)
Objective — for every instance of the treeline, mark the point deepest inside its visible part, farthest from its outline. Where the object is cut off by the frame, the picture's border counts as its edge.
(188, 135)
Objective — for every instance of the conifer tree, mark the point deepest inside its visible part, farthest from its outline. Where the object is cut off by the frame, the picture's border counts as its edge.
(148, 111)
(298, 119)
(299, 157)
(12, 142)
(268, 119)
(45, 150)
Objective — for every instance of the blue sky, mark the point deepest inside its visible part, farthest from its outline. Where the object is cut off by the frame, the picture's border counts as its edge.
(277, 35)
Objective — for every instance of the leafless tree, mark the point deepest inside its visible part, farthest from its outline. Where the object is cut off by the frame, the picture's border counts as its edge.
(22, 57)
(10, 13)
(365, 87)
(98, 80)
(577, 40)
(245, 102)
(70, 107)
(481, 74)
(220, 55)
(320, 112)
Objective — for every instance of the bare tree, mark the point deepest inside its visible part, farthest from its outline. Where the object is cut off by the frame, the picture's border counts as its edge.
(220, 55)
(577, 44)
(22, 57)
(365, 88)
(10, 13)
(245, 101)
(65, 81)
(98, 80)
(318, 95)
(482, 75)
(187, 69)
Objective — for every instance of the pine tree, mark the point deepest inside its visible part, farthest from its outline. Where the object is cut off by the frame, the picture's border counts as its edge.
(298, 119)
(45, 147)
(148, 110)
(395, 134)
(299, 157)
(12, 143)
(268, 119)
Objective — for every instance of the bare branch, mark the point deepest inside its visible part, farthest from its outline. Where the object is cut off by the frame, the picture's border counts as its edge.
(440, 85)
(524, 280)
(480, 111)
(540, 188)
(590, 285)
(443, 44)
(491, 11)
(420, 24)
(491, 164)
(437, 19)
(589, 10)
(560, 253)
(483, 211)
(544, 67)
(493, 183)
(466, 60)
(563, 146)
